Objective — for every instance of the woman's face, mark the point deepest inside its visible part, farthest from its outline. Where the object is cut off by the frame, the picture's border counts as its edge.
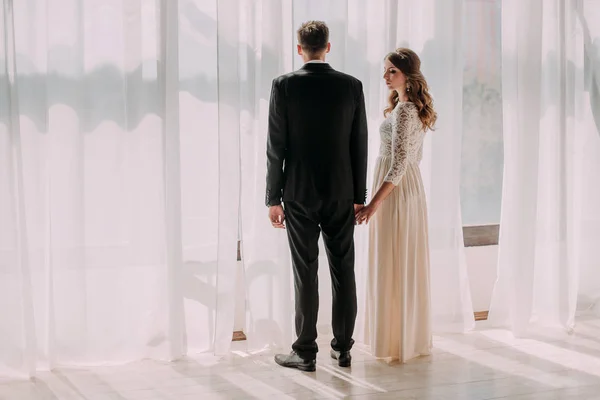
(393, 77)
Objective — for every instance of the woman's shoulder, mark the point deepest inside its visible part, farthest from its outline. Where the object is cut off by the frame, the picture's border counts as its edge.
(405, 107)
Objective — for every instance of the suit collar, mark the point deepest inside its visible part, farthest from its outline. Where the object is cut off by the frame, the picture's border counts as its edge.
(317, 67)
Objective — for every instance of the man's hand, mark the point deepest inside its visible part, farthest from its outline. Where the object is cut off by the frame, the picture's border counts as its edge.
(358, 207)
(365, 213)
(277, 216)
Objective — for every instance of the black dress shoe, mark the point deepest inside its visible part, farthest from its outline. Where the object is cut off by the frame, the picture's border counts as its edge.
(293, 360)
(344, 358)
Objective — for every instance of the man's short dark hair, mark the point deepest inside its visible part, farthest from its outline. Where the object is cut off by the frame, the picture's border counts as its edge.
(313, 37)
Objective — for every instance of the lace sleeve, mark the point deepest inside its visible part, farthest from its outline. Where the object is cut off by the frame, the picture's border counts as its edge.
(400, 130)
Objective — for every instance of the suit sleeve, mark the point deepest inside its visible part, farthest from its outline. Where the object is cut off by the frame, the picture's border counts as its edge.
(359, 142)
(276, 145)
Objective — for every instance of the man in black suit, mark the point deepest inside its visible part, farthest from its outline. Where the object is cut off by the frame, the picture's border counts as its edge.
(317, 166)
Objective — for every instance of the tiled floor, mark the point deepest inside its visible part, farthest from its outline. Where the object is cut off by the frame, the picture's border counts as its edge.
(487, 364)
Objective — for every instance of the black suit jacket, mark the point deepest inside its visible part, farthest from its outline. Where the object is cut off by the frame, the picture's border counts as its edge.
(317, 137)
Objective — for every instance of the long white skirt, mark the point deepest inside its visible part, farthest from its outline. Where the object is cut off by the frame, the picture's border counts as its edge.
(398, 316)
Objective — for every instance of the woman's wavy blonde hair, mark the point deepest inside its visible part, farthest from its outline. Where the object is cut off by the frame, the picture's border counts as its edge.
(417, 89)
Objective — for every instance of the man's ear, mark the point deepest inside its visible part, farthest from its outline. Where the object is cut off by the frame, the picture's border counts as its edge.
(299, 50)
(328, 47)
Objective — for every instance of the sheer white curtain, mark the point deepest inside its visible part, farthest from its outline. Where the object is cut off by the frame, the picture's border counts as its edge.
(118, 185)
(362, 33)
(265, 51)
(588, 298)
(550, 226)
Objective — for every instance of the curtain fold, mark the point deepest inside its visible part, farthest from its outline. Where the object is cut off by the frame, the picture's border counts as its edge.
(549, 228)
(228, 35)
(18, 347)
(168, 83)
(265, 52)
(589, 279)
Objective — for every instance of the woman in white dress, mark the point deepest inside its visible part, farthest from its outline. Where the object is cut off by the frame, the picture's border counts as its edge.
(398, 300)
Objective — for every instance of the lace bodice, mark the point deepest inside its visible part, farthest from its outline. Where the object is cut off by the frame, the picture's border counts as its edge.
(401, 139)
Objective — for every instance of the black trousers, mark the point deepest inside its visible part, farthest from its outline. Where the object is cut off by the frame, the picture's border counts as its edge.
(304, 224)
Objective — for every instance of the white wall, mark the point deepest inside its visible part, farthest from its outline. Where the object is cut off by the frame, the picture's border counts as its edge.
(481, 265)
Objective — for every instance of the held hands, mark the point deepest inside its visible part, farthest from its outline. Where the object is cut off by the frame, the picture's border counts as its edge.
(277, 217)
(357, 208)
(364, 214)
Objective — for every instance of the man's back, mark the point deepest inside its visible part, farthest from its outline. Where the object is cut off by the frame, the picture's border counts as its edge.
(318, 124)
(317, 165)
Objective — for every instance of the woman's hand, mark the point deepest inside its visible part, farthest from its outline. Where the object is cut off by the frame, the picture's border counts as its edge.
(365, 213)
